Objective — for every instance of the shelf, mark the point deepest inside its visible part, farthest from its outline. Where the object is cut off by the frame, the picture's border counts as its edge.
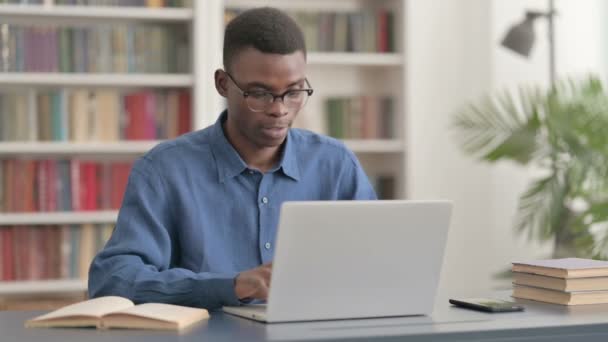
(101, 13)
(96, 80)
(304, 5)
(140, 147)
(375, 146)
(42, 286)
(355, 59)
(54, 218)
(69, 148)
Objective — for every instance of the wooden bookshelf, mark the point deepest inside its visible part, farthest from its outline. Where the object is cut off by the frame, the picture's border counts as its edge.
(17, 294)
(336, 73)
(331, 74)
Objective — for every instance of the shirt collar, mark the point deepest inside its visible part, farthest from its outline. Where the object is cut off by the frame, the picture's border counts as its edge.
(289, 159)
(230, 164)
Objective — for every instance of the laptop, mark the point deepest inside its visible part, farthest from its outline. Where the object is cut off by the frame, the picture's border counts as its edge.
(354, 259)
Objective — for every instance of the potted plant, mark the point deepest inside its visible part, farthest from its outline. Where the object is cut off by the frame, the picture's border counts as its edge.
(562, 133)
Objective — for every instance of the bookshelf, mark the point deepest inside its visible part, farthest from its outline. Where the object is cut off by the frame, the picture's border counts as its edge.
(45, 224)
(332, 74)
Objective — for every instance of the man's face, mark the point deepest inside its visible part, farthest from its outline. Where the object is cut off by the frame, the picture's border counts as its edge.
(255, 72)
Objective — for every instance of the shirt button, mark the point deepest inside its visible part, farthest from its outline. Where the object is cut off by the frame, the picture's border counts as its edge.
(267, 245)
(264, 200)
(251, 172)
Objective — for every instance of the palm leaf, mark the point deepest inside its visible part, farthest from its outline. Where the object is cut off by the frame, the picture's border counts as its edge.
(541, 207)
(504, 127)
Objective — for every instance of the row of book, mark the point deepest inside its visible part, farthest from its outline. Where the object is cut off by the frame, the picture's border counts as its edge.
(50, 252)
(119, 48)
(362, 31)
(94, 115)
(61, 185)
(362, 117)
(568, 281)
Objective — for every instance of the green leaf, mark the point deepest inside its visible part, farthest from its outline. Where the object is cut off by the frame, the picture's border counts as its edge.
(520, 146)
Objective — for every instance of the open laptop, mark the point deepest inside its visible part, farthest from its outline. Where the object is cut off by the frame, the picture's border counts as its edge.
(354, 259)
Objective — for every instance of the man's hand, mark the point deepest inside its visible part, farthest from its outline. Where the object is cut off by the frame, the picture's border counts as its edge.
(254, 283)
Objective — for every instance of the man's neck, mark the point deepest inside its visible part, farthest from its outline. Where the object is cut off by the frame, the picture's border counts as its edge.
(259, 158)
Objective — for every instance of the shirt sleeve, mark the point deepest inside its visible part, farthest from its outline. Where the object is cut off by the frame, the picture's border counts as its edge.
(354, 184)
(137, 262)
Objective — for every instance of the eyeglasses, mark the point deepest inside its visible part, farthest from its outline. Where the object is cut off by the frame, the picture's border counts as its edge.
(260, 100)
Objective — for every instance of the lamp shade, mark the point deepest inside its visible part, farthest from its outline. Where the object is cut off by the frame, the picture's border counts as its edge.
(520, 37)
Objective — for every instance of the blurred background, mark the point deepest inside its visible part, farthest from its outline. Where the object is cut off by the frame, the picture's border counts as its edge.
(86, 86)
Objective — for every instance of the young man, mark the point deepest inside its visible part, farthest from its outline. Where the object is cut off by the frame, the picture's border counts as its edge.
(199, 217)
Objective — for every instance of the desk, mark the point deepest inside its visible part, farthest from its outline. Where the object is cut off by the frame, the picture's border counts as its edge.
(540, 322)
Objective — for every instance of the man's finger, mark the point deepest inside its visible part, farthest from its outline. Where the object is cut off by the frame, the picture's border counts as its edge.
(266, 275)
(262, 293)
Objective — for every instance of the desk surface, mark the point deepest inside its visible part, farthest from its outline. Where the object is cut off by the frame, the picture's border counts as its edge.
(540, 322)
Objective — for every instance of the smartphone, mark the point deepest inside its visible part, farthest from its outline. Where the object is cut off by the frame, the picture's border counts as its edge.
(487, 304)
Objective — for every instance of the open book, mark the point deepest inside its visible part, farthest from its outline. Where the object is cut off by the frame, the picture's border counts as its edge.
(119, 312)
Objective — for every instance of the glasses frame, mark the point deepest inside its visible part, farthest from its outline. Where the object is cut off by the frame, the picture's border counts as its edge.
(246, 94)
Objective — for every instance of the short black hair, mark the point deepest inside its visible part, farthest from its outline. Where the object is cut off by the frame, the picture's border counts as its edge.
(266, 29)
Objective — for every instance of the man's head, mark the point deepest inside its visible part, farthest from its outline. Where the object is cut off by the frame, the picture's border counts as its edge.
(265, 29)
(264, 56)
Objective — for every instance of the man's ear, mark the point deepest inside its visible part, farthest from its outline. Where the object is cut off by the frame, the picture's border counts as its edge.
(221, 82)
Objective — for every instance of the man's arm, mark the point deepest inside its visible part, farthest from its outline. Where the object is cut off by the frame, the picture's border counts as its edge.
(136, 262)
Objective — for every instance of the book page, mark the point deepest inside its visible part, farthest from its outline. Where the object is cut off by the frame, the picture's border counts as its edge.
(566, 263)
(96, 307)
(180, 315)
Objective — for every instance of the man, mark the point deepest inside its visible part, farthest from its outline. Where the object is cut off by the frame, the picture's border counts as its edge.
(199, 217)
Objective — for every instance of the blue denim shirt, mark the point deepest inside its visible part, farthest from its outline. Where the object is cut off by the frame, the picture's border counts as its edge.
(194, 215)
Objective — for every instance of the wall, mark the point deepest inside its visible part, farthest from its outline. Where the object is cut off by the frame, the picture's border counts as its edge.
(581, 37)
(448, 62)
(509, 180)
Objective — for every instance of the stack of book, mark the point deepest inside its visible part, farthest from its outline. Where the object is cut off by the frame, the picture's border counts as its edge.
(569, 281)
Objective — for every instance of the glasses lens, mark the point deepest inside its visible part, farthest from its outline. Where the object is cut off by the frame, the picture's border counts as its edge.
(259, 101)
(296, 99)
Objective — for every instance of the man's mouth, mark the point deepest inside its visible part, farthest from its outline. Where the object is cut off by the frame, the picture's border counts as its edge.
(275, 131)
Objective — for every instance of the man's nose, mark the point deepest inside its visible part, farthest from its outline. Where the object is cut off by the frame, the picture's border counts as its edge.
(277, 107)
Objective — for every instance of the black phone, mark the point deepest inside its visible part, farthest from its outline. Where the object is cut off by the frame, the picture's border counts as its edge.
(487, 304)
